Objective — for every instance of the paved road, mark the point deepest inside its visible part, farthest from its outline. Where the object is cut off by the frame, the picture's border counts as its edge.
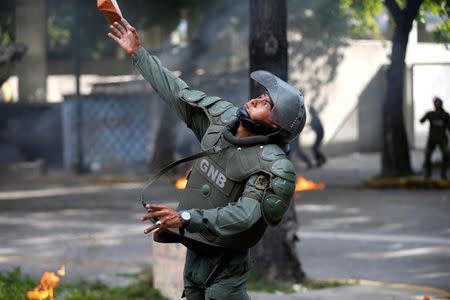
(395, 236)
(388, 235)
(93, 230)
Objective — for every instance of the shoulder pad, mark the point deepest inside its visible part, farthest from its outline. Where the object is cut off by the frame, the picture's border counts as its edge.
(219, 107)
(191, 96)
(228, 115)
(283, 168)
(208, 101)
(272, 152)
(218, 111)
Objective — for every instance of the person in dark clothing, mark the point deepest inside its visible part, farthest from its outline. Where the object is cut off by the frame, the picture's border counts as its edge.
(439, 128)
(297, 150)
(316, 125)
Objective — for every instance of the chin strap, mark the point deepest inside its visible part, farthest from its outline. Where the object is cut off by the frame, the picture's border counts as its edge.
(243, 142)
(257, 127)
(265, 133)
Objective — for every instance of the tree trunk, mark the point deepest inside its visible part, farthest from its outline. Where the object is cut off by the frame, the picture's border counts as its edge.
(165, 141)
(275, 254)
(268, 39)
(396, 160)
(395, 155)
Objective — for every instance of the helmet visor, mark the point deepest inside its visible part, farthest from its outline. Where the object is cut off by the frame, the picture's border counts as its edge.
(287, 100)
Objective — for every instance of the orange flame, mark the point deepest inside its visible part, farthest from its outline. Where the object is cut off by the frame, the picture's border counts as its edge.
(49, 281)
(304, 184)
(181, 183)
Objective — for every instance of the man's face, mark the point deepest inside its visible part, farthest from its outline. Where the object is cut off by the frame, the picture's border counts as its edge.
(259, 108)
(437, 104)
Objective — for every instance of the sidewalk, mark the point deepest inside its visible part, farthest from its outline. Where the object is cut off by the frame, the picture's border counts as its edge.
(360, 292)
(352, 170)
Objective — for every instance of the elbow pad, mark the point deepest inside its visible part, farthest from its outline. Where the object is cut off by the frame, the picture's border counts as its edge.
(277, 198)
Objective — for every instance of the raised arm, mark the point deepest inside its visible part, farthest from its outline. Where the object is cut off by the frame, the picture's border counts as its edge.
(163, 81)
(424, 118)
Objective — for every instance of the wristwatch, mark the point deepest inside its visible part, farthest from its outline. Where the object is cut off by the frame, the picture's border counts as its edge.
(185, 217)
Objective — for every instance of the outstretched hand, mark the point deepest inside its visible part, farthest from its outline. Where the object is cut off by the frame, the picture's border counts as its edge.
(125, 35)
(167, 218)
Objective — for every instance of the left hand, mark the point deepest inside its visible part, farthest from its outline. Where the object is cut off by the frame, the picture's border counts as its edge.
(168, 218)
(125, 36)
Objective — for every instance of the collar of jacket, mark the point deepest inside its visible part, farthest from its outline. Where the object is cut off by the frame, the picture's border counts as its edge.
(243, 142)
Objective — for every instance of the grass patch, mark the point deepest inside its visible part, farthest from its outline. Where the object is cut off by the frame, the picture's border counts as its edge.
(316, 284)
(14, 286)
(279, 286)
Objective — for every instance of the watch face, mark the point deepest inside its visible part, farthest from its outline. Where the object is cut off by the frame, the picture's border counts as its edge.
(185, 215)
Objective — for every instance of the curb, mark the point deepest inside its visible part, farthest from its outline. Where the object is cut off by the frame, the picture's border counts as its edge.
(443, 294)
(408, 183)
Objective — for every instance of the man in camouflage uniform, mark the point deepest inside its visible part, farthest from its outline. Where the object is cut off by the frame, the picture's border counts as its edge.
(439, 128)
(245, 183)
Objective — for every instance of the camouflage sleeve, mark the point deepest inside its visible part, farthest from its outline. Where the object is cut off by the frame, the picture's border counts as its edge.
(168, 86)
(234, 218)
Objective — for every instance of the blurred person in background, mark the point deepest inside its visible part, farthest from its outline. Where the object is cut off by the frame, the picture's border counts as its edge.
(298, 152)
(317, 127)
(437, 136)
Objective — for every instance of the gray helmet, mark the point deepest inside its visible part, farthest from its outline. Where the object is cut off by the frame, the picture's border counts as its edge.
(288, 106)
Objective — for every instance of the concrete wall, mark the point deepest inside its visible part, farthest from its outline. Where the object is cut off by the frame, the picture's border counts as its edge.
(347, 92)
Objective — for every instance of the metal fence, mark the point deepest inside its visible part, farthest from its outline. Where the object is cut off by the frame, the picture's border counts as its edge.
(116, 131)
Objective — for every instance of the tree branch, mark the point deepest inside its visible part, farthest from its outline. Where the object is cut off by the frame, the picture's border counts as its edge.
(412, 8)
(394, 10)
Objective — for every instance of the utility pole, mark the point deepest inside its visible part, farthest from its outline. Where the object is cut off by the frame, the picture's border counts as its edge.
(79, 168)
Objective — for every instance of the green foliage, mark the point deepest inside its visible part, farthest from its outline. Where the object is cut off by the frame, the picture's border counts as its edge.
(14, 286)
(7, 19)
(94, 43)
(439, 9)
(254, 284)
(362, 16)
(317, 284)
(322, 19)
(138, 291)
(308, 284)
(330, 20)
(142, 289)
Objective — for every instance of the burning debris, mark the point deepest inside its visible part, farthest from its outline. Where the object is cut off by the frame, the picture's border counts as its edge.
(49, 281)
(181, 183)
(304, 184)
